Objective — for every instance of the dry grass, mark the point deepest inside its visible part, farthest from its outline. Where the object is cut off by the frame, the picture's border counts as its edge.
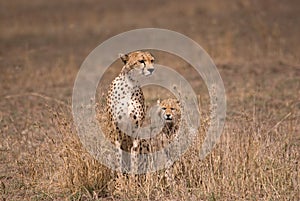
(255, 47)
(250, 158)
(252, 161)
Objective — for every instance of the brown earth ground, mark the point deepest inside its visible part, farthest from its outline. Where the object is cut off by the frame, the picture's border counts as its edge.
(256, 48)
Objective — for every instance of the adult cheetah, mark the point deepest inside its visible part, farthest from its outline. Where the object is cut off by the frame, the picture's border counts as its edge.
(125, 100)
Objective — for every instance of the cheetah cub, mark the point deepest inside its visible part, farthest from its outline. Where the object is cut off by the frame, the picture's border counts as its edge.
(169, 112)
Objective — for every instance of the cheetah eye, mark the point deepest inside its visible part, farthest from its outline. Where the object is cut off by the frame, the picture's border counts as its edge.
(172, 108)
(152, 60)
(142, 61)
(163, 108)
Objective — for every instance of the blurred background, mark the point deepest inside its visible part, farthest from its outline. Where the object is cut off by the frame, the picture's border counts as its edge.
(255, 45)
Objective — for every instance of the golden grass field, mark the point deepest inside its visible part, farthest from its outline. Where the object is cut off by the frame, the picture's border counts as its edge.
(256, 48)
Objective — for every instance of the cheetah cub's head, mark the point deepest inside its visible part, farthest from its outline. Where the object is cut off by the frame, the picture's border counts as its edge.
(140, 61)
(169, 110)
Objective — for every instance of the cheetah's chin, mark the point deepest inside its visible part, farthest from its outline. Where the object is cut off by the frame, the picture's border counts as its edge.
(147, 73)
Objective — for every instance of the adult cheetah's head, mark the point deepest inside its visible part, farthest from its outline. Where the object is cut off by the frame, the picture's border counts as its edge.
(140, 61)
(169, 111)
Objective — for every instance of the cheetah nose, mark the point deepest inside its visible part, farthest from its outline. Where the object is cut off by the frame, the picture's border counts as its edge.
(151, 70)
(169, 117)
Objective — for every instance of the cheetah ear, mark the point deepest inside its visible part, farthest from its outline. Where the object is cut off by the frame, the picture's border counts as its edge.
(158, 101)
(124, 58)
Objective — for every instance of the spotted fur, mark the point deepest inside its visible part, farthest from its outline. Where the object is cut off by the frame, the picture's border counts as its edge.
(169, 111)
(125, 100)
